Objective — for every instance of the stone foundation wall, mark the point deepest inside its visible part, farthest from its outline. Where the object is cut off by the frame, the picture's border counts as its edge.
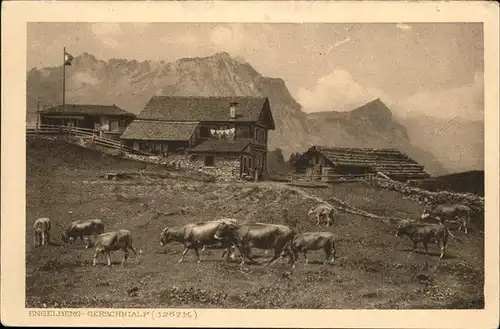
(226, 167)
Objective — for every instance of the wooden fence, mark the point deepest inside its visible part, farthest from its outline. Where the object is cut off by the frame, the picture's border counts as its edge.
(85, 133)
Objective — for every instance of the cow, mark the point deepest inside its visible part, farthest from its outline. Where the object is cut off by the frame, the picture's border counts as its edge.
(42, 231)
(81, 228)
(324, 214)
(449, 213)
(304, 242)
(196, 235)
(107, 242)
(258, 235)
(425, 234)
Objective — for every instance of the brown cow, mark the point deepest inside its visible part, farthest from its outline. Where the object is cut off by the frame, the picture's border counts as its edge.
(111, 241)
(425, 234)
(314, 241)
(42, 231)
(196, 235)
(258, 235)
(81, 228)
(449, 213)
(324, 214)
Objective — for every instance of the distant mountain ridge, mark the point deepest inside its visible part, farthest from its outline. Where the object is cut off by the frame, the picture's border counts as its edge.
(130, 84)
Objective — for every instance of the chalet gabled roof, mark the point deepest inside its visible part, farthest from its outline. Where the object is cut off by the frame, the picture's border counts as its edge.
(206, 109)
(89, 109)
(222, 146)
(159, 130)
(389, 161)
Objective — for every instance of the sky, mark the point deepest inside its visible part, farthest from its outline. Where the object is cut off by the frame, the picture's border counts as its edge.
(426, 68)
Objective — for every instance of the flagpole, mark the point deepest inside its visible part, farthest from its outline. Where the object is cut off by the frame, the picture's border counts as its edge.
(64, 79)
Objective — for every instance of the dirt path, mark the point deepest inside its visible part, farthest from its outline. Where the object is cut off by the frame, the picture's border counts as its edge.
(340, 205)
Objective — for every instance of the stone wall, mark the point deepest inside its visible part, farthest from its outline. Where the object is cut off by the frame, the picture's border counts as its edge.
(476, 203)
(225, 168)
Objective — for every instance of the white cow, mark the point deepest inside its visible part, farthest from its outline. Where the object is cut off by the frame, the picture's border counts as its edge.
(324, 214)
(42, 231)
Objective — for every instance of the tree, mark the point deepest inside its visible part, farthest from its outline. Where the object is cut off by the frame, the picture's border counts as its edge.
(276, 162)
(293, 158)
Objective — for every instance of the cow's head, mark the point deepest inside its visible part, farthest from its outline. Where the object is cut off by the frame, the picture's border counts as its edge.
(222, 230)
(90, 241)
(310, 212)
(164, 236)
(64, 237)
(426, 213)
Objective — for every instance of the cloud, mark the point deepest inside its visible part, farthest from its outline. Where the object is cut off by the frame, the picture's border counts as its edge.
(85, 78)
(403, 26)
(337, 91)
(466, 101)
(228, 38)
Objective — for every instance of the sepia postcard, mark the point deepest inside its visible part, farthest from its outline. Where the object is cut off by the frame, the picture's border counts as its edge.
(284, 164)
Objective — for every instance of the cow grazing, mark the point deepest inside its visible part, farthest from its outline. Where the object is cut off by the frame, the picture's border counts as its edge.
(196, 235)
(304, 242)
(111, 241)
(83, 228)
(324, 214)
(258, 235)
(425, 234)
(42, 232)
(449, 213)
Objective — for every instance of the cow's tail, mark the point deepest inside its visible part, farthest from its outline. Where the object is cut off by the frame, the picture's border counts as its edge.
(448, 230)
(452, 235)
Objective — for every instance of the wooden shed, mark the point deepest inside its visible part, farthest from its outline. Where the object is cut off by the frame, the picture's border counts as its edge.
(324, 163)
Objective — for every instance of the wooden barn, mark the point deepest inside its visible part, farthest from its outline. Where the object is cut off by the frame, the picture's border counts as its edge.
(222, 135)
(324, 163)
(108, 120)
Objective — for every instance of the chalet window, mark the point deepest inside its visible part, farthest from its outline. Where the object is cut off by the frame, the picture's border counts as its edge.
(209, 160)
(260, 136)
(113, 125)
(243, 132)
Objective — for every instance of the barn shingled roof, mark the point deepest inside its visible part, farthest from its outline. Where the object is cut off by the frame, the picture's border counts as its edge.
(222, 146)
(89, 109)
(389, 161)
(197, 108)
(159, 130)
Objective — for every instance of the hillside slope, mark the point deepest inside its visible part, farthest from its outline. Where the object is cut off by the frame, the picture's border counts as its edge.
(130, 84)
(61, 275)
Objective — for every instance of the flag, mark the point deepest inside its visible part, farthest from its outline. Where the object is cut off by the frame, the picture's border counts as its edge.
(67, 58)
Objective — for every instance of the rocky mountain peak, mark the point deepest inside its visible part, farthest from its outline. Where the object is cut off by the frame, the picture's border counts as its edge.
(130, 84)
